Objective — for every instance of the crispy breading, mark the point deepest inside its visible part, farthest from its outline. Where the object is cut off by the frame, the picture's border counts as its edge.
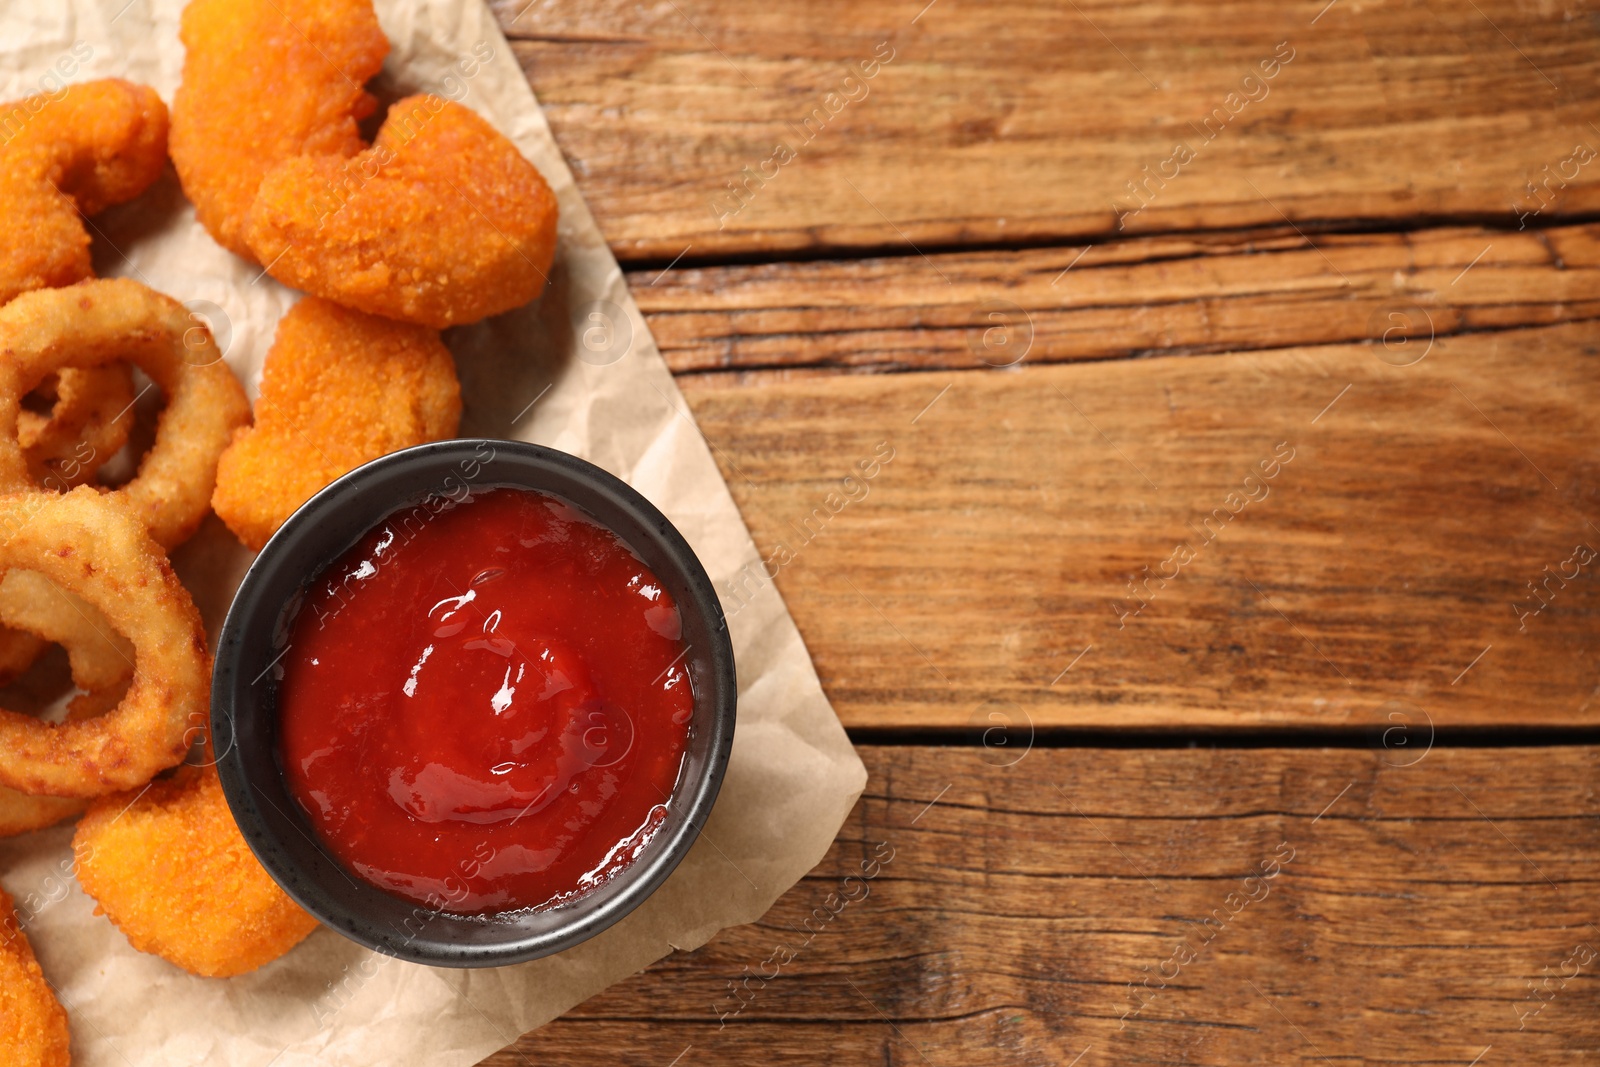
(441, 222)
(94, 323)
(338, 388)
(264, 81)
(171, 870)
(81, 149)
(32, 1021)
(43, 242)
(93, 545)
(102, 666)
(88, 423)
(22, 813)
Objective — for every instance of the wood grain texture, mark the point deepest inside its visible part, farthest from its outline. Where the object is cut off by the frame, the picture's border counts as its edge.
(1028, 512)
(1027, 120)
(1425, 914)
(1195, 293)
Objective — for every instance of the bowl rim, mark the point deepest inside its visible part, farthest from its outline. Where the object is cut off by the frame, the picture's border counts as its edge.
(693, 796)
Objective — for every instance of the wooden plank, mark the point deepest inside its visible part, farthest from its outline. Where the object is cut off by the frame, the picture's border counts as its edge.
(1179, 294)
(1032, 121)
(1405, 542)
(1416, 915)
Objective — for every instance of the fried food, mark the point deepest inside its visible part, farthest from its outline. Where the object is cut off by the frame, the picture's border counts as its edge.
(174, 874)
(94, 323)
(43, 242)
(88, 423)
(82, 149)
(31, 1019)
(22, 813)
(94, 546)
(85, 428)
(265, 81)
(338, 388)
(101, 658)
(441, 222)
(102, 666)
(18, 650)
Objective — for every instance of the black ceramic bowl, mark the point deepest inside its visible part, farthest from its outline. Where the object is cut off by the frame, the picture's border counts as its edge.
(244, 718)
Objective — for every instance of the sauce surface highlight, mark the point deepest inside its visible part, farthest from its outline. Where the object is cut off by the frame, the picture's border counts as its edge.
(485, 708)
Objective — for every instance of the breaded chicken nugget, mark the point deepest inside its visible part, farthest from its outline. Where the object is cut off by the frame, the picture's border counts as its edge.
(106, 140)
(441, 222)
(33, 1023)
(338, 388)
(43, 242)
(171, 870)
(83, 149)
(264, 81)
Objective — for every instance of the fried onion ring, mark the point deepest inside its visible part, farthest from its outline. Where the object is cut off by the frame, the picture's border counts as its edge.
(441, 222)
(94, 546)
(67, 448)
(171, 870)
(22, 813)
(92, 145)
(18, 650)
(265, 81)
(31, 1018)
(102, 666)
(88, 423)
(96, 322)
(101, 658)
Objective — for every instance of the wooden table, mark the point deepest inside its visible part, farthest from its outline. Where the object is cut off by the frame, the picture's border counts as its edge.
(1221, 637)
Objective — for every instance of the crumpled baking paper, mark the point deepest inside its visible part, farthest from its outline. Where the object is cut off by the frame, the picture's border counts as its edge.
(578, 371)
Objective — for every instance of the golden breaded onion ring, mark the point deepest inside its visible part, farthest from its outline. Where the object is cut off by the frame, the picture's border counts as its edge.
(101, 658)
(22, 813)
(87, 424)
(102, 666)
(94, 323)
(18, 650)
(93, 546)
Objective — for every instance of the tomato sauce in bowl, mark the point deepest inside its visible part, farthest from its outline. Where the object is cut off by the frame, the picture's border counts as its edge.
(486, 706)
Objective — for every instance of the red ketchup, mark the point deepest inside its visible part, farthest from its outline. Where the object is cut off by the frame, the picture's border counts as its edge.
(485, 708)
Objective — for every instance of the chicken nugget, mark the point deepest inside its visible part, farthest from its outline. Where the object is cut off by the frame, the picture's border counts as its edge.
(43, 242)
(81, 149)
(264, 81)
(442, 222)
(338, 388)
(32, 1020)
(171, 870)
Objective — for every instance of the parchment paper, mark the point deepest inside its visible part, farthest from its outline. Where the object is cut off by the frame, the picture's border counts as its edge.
(578, 371)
